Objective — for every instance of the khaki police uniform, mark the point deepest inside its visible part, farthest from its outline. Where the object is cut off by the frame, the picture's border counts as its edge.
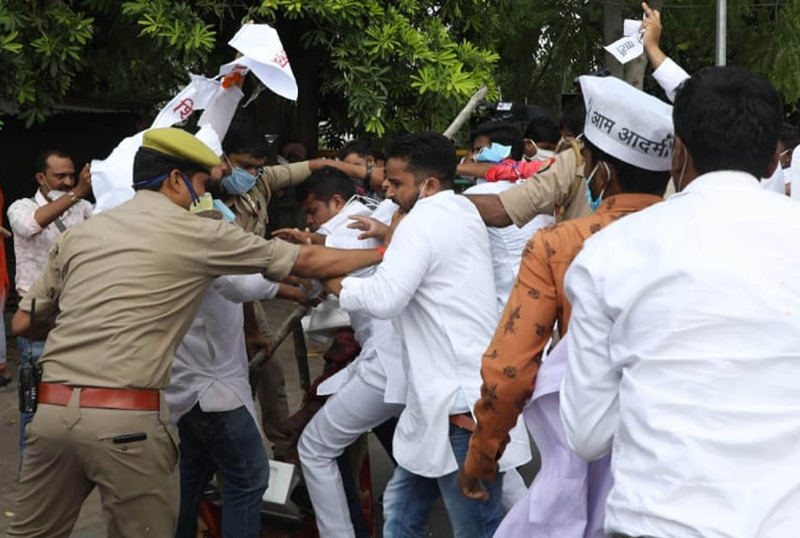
(126, 285)
(557, 189)
(252, 215)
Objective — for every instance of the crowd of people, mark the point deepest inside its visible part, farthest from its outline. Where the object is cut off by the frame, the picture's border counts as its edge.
(617, 283)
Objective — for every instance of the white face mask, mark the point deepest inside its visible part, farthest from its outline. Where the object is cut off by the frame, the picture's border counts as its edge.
(54, 194)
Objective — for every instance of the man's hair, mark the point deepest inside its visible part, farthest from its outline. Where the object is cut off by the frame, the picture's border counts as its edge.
(149, 164)
(543, 129)
(789, 136)
(324, 184)
(244, 137)
(360, 147)
(426, 154)
(573, 116)
(503, 133)
(632, 179)
(40, 163)
(729, 119)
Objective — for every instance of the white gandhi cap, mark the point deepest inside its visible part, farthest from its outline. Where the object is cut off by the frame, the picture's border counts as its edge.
(627, 123)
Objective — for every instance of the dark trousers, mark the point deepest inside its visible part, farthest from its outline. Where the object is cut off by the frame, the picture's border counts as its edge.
(228, 442)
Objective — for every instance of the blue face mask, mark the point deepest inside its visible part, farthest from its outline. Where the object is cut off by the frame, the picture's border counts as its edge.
(493, 154)
(239, 182)
(594, 204)
(227, 214)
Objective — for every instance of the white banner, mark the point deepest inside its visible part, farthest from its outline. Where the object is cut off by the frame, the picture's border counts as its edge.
(264, 55)
(197, 95)
(626, 49)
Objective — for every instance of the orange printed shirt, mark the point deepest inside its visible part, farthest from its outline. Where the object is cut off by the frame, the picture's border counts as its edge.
(536, 302)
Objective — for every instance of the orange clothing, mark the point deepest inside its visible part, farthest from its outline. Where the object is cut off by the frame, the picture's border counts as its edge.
(537, 300)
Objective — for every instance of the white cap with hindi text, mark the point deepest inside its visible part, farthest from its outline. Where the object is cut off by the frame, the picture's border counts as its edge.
(627, 123)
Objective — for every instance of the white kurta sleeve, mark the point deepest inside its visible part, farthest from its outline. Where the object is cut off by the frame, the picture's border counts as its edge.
(589, 392)
(245, 288)
(670, 76)
(387, 292)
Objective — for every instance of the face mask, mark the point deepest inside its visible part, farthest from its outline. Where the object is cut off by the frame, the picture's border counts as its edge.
(493, 154)
(227, 214)
(544, 155)
(239, 182)
(594, 204)
(204, 203)
(54, 194)
(679, 186)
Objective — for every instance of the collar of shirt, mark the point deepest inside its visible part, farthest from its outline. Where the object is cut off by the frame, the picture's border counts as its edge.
(160, 201)
(437, 196)
(721, 180)
(342, 218)
(625, 203)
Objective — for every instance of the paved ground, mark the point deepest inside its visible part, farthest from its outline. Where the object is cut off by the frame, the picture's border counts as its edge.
(91, 523)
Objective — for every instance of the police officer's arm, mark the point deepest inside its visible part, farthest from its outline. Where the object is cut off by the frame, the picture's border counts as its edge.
(46, 290)
(492, 211)
(314, 261)
(474, 169)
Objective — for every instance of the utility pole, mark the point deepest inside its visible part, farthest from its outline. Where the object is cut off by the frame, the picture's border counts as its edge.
(722, 31)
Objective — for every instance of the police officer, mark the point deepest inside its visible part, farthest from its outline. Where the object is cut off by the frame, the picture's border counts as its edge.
(126, 285)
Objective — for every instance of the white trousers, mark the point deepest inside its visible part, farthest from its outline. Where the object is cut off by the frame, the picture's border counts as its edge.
(355, 409)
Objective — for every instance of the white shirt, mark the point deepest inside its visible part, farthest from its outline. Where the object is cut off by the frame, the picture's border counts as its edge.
(508, 243)
(210, 365)
(670, 76)
(31, 241)
(436, 281)
(385, 211)
(684, 354)
(380, 362)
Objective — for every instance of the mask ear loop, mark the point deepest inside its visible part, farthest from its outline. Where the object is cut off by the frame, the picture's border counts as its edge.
(608, 175)
(683, 171)
(188, 184)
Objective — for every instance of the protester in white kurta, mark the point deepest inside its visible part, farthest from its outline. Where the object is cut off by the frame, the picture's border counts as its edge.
(684, 342)
(436, 283)
(370, 391)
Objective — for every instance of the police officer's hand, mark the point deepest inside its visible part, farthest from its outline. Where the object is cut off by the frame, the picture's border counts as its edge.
(472, 487)
(4, 232)
(257, 342)
(84, 186)
(300, 237)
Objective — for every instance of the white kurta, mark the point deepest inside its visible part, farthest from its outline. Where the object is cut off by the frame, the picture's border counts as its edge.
(684, 353)
(210, 365)
(508, 243)
(437, 282)
(380, 362)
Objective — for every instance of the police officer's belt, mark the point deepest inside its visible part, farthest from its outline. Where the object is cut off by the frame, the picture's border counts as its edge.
(129, 399)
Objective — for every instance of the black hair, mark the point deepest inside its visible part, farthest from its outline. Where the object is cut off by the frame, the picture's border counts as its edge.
(631, 178)
(324, 184)
(543, 129)
(789, 136)
(149, 164)
(244, 137)
(378, 155)
(360, 147)
(728, 118)
(503, 133)
(573, 116)
(427, 155)
(40, 163)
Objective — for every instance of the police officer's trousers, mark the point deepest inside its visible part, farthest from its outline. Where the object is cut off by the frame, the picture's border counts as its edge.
(71, 450)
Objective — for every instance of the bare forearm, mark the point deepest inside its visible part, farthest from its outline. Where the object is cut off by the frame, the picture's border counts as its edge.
(656, 56)
(352, 170)
(46, 214)
(321, 263)
(492, 211)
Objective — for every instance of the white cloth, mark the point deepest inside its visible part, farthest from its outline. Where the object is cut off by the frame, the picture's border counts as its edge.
(210, 365)
(264, 55)
(795, 172)
(356, 408)
(380, 362)
(776, 183)
(196, 95)
(670, 76)
(31, 241)
(385, 211)
(508, 243)
(627, 123)
(436, 281)
(684, 352)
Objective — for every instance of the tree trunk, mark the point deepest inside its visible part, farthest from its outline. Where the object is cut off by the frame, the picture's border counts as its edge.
(612, 30)
(635, 70)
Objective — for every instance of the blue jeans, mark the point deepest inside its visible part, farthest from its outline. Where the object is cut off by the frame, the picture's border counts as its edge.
(408, 499)
(24, 345)
(228, 442)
